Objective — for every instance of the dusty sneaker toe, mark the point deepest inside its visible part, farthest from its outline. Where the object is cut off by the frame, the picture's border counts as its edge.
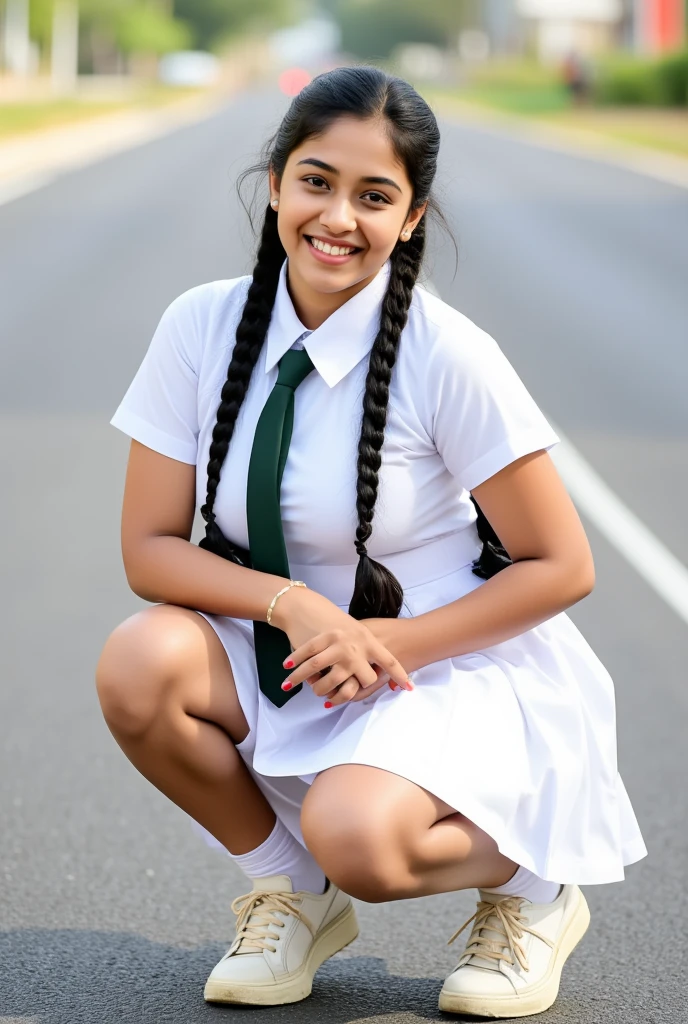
(282, 938)
(512, 962)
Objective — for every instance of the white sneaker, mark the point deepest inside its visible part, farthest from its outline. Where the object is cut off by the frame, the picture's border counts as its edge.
(513, 959)
(282, 938)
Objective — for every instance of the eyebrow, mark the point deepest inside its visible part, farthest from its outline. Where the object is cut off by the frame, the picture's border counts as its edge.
(333, 170)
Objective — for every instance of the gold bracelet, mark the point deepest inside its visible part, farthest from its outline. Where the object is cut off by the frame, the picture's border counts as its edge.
(292, 583)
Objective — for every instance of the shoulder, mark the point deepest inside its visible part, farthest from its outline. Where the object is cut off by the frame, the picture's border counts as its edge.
(443, 340)
(203, 319)
(203, 304)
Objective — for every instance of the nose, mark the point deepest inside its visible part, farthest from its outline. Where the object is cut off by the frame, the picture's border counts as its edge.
(338, 216)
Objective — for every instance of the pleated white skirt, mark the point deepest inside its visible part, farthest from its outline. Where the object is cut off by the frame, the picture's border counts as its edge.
(520, 737)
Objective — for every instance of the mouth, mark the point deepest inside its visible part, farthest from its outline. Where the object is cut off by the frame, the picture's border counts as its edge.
(323, 252)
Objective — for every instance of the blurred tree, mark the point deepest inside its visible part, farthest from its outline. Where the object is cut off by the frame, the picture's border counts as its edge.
(214, 21)
(40, 22)
(150, 30)
(109, 27)
(375, 27)
(374, 30)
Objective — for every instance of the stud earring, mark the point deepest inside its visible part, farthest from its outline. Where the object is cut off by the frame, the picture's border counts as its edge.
(274, 202)
(405, 234)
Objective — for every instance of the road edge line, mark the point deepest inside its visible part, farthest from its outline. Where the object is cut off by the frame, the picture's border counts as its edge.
(623, 529)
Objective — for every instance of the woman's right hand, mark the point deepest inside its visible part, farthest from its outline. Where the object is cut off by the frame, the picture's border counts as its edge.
(325, 637)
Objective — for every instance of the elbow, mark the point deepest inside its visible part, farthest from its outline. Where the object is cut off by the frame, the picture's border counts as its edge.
(137, 584)
(137, 577)
(581, 579)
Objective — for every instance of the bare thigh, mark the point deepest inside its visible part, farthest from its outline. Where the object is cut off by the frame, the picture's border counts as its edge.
(167, 657)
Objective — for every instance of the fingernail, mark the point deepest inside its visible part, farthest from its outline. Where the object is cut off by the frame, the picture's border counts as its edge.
(393, 686)
(287, 686)
(328, 704)
(288, 663)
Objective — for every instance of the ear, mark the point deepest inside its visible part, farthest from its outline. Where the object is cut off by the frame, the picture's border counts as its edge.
(273, 183)
(414, 218)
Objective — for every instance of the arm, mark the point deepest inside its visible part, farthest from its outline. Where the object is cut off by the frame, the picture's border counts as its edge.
(160, 562)
(162, 565)
(533, 516)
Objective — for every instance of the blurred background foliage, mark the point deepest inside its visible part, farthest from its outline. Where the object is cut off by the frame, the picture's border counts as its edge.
(622, 74)
(627, 80)
(373, 28)
(109, 27)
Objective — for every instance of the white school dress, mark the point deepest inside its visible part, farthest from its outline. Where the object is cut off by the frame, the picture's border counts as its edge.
(520, 736)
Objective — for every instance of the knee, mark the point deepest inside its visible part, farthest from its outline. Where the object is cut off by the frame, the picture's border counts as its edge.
(136, 670)
(357, 855)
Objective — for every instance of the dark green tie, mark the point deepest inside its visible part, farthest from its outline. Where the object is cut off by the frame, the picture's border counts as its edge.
(265, 534)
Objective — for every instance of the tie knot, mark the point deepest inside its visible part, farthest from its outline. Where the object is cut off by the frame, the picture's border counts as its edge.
(294, 366)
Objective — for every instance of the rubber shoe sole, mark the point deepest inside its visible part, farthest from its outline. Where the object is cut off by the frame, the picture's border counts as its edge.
(338, 934)
(537, 999)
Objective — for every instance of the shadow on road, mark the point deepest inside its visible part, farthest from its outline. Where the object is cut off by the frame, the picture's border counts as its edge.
(73, 977)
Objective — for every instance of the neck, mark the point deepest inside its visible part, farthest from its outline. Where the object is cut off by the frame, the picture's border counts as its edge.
(314, 307)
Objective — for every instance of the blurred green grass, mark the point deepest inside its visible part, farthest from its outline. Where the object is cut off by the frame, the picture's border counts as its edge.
(536, 93)
(21, 117)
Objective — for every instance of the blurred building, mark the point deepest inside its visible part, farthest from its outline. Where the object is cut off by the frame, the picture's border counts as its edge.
(658, 25)
(555, 28)
(504, 26)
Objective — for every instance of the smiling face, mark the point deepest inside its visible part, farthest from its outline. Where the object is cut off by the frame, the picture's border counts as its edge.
(327, 192)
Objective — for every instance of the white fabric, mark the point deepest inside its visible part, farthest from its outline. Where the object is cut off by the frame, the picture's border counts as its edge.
(283, 854)
(519, 736)
(524, 883)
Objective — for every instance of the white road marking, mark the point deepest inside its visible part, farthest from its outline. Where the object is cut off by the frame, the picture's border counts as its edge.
(651, 559)
(634, 541)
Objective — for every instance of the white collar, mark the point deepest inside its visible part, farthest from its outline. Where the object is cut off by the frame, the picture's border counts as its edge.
(341, 341)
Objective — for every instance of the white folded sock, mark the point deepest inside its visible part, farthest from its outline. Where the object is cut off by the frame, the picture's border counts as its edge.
(525, 883)
(282, 854)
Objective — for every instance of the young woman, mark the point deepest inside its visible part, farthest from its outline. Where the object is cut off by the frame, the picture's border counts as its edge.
(440, 724)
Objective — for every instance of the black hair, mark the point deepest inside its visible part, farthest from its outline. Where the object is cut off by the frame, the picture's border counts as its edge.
(367, 93)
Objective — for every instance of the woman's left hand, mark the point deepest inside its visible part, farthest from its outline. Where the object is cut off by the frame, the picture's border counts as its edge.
(391, 633)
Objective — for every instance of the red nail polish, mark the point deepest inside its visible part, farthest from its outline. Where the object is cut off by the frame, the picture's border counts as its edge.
(288, 663)
(393, 686)
(287, 686)
(328, 704)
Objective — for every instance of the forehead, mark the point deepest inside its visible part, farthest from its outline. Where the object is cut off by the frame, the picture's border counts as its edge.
(356, 148)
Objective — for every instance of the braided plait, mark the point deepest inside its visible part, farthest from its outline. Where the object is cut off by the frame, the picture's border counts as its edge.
(493, 557)
(365, 93)
(250, 336)
(377, 592)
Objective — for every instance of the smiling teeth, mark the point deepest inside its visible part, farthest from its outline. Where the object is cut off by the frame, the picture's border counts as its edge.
(333, 250)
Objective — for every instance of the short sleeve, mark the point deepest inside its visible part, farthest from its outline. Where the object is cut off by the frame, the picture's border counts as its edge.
(483, 418)
(160, 407)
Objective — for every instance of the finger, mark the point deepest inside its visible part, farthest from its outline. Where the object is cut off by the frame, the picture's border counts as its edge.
(311, 667)
(314, 646)
(333, 692)
(383, 677)
(334, 678)
(394, 668)
(369, 690)
(345, 693)
(366, 674)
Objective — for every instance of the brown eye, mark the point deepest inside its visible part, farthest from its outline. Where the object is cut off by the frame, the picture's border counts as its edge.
(315, 177)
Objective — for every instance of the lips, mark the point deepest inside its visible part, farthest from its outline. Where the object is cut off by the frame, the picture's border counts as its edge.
(345, 245)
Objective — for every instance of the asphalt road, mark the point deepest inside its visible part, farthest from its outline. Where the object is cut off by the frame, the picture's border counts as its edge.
(110, 908)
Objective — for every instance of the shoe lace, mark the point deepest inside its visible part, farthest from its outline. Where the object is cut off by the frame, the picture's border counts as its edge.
(257, 914)
(506, 920)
